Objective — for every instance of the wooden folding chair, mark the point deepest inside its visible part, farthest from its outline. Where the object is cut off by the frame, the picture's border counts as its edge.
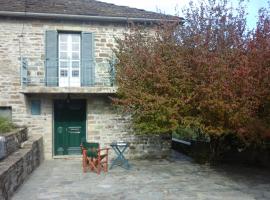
(94, 157)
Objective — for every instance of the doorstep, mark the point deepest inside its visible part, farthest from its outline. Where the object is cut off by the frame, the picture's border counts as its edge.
(79, 157)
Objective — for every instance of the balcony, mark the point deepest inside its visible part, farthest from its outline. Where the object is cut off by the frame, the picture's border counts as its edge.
(34, 80)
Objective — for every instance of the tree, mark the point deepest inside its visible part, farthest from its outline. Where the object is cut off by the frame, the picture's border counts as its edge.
(147, 77)
(211, 74)
(258, 51)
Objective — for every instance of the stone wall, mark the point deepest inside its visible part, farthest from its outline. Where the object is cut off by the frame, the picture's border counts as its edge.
(26, 38)
(16, 168)
(104, 125)
(13, 140)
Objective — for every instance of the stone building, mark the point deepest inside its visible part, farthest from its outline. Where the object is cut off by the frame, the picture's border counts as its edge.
(56, 77)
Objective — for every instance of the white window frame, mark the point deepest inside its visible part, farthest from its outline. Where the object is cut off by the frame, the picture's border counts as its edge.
(69, 80)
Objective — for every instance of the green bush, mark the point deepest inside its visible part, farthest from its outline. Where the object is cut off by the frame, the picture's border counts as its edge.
(6, 125)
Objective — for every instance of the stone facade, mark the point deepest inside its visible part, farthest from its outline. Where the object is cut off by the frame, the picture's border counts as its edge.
(26, 38)
(104, 125)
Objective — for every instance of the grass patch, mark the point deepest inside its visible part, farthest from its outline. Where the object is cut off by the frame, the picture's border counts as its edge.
(6, 126)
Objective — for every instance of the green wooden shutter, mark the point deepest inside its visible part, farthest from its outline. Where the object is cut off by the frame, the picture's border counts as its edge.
(51, 58)
(87, 60)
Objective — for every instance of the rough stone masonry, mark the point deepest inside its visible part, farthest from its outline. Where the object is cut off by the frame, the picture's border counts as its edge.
(26, 38)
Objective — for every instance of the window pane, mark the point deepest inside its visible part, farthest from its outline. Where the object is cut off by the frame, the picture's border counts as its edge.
(75, 73)
(75, 64)
(64, 64)
(75, 56)
(63, 55)
(35, 107)
(75, 47)
(63, 73)
(63, 47)
(63, 37)
(76, 38)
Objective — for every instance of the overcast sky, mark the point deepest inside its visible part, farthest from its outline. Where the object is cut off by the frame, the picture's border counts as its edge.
(168, 6)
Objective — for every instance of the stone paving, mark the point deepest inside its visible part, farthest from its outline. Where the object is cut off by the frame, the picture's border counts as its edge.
(174, 178)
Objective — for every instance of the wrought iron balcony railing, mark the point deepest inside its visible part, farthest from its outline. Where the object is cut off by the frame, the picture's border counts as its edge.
(33, 73)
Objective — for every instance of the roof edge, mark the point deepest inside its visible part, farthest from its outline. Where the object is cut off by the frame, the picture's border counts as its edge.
(83, 17)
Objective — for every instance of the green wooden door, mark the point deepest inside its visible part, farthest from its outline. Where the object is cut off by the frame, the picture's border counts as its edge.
(69, 126)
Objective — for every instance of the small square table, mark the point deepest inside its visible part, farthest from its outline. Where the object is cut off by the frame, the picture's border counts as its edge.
(120, 160)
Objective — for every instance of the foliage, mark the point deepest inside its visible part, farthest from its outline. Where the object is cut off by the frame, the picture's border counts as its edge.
(148, 85)
(210, 74)
(112, 72)
(6, 125)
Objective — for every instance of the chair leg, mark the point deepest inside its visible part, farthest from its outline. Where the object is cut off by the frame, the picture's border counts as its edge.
(90, 160)
(106, 161)
(105, 166)
(98, 168)
(84, 162)
(93, 165)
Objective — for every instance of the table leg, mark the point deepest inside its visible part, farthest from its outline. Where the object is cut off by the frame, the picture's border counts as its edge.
(120, 158)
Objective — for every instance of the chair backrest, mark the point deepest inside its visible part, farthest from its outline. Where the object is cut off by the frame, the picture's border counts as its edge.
(92, 148)
(89, 145)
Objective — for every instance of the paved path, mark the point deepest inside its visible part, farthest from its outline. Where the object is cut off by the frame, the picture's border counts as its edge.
(175, 178)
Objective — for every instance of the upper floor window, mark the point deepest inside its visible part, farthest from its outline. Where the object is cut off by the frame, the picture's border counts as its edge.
(69, 48)
(70, 59)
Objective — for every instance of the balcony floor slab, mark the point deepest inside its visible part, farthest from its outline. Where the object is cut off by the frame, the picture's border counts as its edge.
(68, 90)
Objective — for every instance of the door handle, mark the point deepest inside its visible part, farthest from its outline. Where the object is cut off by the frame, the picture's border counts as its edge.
(60, 130)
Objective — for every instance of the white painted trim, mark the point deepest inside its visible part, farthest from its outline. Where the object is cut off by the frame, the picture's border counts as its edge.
(181, 141)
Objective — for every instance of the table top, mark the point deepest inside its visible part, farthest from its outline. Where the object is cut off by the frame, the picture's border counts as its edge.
(120, 143)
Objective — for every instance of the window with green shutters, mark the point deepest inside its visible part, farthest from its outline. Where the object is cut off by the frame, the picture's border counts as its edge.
(85, 75)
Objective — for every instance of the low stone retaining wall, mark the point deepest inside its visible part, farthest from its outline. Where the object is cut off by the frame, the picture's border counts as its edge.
(149, 146)
(16, 168)
(12, 141)
(15, 139)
